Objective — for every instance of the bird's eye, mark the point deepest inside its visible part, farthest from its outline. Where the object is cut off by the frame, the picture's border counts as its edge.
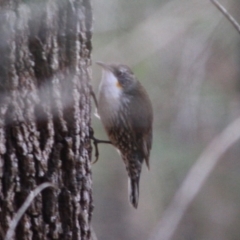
(120, 73)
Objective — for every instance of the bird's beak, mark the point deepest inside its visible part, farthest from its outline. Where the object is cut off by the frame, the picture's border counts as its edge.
(105, 66)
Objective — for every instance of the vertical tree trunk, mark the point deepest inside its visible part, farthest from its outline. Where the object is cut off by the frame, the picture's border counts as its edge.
(45, 48)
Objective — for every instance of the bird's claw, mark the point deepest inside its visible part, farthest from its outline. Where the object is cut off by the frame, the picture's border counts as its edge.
(95, 143)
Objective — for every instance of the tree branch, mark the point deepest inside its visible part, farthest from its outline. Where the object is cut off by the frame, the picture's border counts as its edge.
(227, 14)
(23, 209)
(194, 181)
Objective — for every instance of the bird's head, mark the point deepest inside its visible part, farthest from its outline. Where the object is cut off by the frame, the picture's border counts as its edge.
(119, 76)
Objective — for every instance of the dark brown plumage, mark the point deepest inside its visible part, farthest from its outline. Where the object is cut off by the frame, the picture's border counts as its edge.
(126, 113)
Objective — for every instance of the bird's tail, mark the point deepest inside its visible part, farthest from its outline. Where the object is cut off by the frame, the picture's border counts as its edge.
(133, 190)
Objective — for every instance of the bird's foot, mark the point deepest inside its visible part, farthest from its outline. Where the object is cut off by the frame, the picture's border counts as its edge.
(95, 143)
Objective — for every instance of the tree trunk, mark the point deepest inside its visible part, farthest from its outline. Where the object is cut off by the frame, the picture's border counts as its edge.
(45, 48)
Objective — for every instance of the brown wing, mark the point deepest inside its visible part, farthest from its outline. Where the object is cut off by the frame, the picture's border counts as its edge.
(141, 121)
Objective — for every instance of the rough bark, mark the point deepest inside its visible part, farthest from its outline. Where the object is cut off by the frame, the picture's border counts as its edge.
(45, 49)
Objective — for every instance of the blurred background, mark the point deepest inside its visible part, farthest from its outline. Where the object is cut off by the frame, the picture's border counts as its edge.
(187, 56)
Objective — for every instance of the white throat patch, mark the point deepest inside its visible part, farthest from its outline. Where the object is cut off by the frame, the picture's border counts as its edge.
(108, 86)
(109, 96)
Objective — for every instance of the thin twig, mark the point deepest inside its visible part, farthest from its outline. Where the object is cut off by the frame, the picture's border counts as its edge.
(227, 14)
(194, 181)
(92, 93)
(23, 209)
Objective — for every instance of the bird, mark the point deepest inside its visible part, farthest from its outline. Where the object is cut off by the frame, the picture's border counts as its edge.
(126, 113)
